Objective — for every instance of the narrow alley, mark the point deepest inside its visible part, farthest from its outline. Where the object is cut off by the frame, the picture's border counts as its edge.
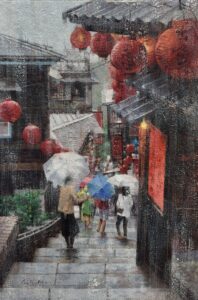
(98, 268)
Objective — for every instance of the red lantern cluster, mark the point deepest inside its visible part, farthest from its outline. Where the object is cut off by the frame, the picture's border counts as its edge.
(124, 93)
(31, 134)
(128, 56)
(80, 38)
(102, 44)
(116, 74)
(177, 50)
(128, 160)
(10, 111)
(149, 44)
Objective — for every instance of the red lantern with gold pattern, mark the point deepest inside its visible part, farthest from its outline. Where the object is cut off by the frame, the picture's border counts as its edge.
(149, 43)
(80, 38)
(102, 44)
(10, 111)
(177, 52)
(128, 56)
(116, 74)
(31, 134)
(129, 149)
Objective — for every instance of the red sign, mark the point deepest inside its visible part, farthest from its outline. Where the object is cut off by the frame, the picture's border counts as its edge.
(117, 147)
(157, 161)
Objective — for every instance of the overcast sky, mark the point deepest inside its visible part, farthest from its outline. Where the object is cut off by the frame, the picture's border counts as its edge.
(37, 21)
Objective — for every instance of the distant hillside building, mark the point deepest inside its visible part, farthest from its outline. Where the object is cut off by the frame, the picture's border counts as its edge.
(71, 84)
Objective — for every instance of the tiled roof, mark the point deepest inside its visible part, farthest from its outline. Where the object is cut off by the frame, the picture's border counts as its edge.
(126, 17)
(16, 49)
(72, 129)
(134, 108)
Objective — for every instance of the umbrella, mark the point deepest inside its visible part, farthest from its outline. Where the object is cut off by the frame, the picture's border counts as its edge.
(100, 188)
(121, 180)
(85, 181)
(63, 165)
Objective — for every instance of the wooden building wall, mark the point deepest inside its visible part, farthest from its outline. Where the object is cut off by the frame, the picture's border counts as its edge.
(21, 164)
(159, 232)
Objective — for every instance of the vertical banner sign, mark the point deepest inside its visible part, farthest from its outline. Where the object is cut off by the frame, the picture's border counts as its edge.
(157, 161)
(117, 147)
(142, 152)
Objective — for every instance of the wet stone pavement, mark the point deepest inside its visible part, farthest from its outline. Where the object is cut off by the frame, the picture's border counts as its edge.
(98, 268)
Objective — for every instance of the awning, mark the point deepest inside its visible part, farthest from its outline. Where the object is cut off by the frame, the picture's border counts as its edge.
(132, 16)
(134, 108)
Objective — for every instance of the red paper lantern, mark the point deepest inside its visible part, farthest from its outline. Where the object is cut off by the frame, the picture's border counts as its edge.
(116, 74)
(80, 38)
(118, 86)
(123, 169)
(128, 160)
(57, 147)
(102, 44)
(47, 147)
(119, 37)
(124, 93)
(177, 52)
(10, 111)
(129, 149)
(149, 43)
(31, 134)
(128, 56)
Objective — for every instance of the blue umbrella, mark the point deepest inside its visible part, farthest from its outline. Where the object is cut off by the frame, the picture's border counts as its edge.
(100, 188)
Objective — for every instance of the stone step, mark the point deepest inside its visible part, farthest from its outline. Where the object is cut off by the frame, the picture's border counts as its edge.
(71, 259)
(74, 268)
(84, 252)
(83, 242)
(85, 294)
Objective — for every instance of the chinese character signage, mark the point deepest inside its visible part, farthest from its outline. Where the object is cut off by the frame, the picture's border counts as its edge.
(157, 164)
(116, 146)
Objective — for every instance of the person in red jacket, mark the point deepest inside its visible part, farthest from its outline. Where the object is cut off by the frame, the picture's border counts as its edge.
(103, 207)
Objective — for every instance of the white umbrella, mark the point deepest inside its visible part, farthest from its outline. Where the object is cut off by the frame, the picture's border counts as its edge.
(63, 165)
(121, 180)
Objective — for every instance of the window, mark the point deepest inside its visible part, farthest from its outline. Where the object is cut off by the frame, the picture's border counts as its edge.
(78, 90)
(5, 130)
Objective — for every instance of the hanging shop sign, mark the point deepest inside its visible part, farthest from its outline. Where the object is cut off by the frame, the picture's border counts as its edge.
(116, 147)
(157, 164)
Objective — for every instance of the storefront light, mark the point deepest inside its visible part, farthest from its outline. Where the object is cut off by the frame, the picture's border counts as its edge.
(144, 124)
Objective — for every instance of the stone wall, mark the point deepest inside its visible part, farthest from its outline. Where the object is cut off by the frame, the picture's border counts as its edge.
(8, 234)
(28, 242)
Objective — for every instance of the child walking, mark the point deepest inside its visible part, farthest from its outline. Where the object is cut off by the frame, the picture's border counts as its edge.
(87, 212)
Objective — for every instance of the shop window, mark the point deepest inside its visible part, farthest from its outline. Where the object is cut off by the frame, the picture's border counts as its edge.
(78, 90)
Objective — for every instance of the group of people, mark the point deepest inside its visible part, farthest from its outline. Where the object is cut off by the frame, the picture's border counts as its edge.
(69, 225)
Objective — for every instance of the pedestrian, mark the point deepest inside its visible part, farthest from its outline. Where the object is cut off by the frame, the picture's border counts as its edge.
(103, 207)
(124, 204)
(67, 200)
(87, 211)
